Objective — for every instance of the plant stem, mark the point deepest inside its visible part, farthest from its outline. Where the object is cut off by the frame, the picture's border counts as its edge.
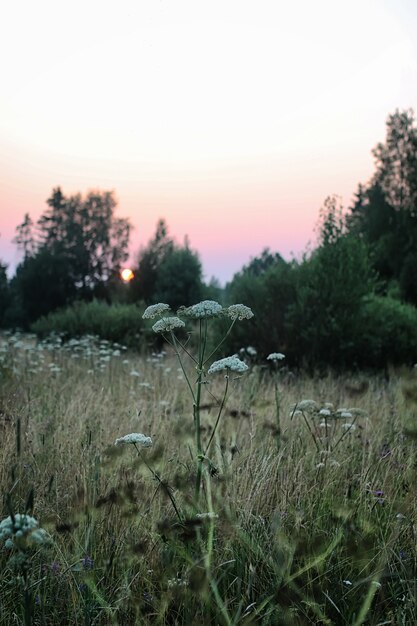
(219, 415)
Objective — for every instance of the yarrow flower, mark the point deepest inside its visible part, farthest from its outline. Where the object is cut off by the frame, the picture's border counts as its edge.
(155, 309)
(166, 324)
(239, 312)
(325, 412)
(137, 438)
(206, 308)
(275, 356)
(21, 529)
(232, 363)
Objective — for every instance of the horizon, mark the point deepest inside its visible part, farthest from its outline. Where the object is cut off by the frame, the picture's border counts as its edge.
(232, 124)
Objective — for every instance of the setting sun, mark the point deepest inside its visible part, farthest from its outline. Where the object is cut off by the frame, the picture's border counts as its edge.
(126, 275)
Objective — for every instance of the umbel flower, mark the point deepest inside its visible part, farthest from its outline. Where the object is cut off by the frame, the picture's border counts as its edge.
(22, 530)
(135, 438)
(275, 356)
(232, 363)
(239, 312)
(204, 309)
(166, 324)
(154, 310)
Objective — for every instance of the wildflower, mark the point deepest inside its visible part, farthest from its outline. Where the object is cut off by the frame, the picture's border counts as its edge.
(320, 465)
(232, 363)
(134, 373)
(306, 405)
(87, 562)
(136, 438)
(21, 528)
(325, 412)
(206, 308)
(177, 582)
(251, 351)
(166, 324)
(347, 415)
(155, 309)
(275, 356)
(348, 583)
(349, 426)
(239, 312)
(209, 515)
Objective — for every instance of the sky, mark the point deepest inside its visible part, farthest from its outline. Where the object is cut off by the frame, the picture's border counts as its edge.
(231, 119)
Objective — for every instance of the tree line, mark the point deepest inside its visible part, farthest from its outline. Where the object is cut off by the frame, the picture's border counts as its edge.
(350, 302)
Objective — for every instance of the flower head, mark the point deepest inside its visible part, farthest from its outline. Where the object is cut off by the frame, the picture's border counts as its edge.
(136, 438)
(206, 308)
(232, 363)
(306, 405)
(22, 529)
(155, 309)
(166, 324)
(275, 356)
(239, 312)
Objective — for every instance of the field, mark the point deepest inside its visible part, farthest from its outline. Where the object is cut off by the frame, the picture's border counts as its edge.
(298, 513)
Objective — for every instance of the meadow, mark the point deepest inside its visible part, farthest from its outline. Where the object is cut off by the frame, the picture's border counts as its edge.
(293, 502)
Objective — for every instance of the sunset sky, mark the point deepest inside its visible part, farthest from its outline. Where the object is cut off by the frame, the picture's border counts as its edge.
(232, 119)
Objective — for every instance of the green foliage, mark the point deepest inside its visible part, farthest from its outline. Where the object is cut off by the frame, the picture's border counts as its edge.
(42, 283)
(167, 272)
(5, 296)
(385, 211)
(76, 253)
(269, 293)
(179, 278)
(324, 321)
(388, 332)
(120, 323)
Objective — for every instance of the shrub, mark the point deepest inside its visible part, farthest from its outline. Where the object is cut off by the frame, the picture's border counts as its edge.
(388, 332)
(118, 322)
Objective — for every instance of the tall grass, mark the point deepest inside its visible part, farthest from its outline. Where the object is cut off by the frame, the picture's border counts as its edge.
(293, 535)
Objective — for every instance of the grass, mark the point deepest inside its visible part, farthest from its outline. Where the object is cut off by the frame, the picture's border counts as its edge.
(294, 534)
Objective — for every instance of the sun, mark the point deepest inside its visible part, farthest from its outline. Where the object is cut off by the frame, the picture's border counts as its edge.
(126, 275)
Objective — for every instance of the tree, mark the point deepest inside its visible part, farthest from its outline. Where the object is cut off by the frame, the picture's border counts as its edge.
(42, 283)
(384, 213)
(179, 280)
(86, 231)
(148, 262)
(167, 272)
(5, 298)
(77, 249)
(324, 320)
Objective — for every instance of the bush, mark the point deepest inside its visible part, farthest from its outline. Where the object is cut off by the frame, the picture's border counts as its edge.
(388, 332)
(120, 323)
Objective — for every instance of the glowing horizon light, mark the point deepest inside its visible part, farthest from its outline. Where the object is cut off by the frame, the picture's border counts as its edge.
(126, 275)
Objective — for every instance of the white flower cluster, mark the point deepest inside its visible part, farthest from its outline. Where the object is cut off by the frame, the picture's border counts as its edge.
(137, 438)
(21, 528)
(239, 312)
(306, 405)
(155, 309)
(232, 363)
(275, 356)
(206, 308)
(167, 324)
(209, 515)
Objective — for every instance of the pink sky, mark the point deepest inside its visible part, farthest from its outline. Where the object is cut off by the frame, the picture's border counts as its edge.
(232, 123)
